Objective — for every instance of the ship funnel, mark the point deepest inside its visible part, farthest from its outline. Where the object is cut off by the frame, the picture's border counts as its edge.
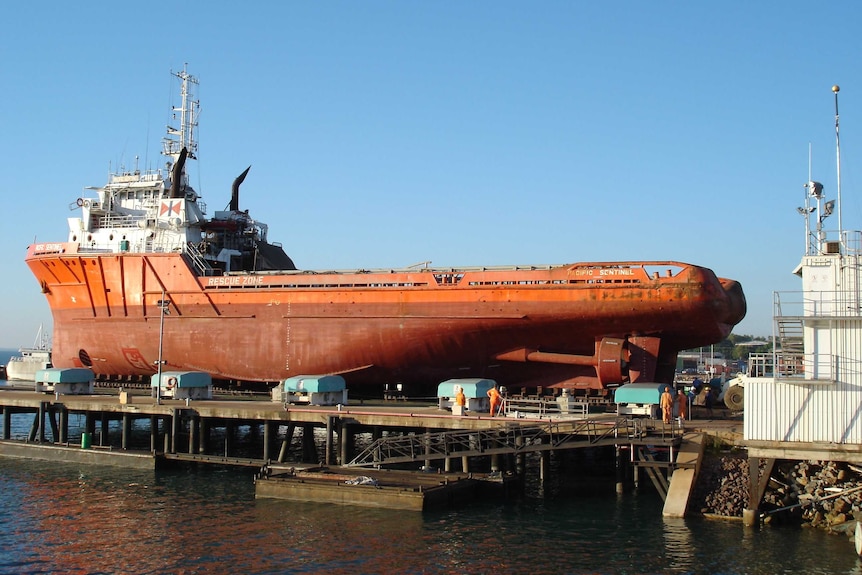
(234, 192)
(177, 175)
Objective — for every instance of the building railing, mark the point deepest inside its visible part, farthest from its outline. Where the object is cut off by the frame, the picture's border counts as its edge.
(819, 304)
(852, 241)
(796, 367)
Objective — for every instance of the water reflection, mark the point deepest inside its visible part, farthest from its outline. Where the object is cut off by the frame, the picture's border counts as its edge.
(70, 519)
(678, 544)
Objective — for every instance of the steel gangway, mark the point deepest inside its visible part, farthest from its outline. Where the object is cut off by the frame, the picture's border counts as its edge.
(510, 439)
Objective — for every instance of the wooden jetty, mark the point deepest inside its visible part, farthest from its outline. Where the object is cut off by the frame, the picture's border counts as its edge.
(121, 428)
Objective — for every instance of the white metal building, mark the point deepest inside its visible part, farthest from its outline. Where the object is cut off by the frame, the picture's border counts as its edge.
(814, 399)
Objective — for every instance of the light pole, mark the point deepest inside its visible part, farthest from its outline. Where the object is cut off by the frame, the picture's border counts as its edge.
(163, 304)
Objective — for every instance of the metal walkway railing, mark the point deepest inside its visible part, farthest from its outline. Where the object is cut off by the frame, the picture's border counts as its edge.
(508, 439)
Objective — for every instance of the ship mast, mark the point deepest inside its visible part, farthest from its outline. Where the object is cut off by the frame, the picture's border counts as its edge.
(184, 136)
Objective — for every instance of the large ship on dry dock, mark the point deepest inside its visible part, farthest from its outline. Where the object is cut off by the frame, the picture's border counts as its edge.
(145, 276)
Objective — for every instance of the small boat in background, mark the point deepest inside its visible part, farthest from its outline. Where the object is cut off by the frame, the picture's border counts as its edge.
(24, 367)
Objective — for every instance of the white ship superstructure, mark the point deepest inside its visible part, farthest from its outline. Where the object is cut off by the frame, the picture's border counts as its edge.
(158, 211)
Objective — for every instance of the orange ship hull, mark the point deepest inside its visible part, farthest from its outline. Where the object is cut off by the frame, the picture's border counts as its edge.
(579, 326)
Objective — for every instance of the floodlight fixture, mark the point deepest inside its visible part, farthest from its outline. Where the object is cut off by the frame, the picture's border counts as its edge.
(815, 189)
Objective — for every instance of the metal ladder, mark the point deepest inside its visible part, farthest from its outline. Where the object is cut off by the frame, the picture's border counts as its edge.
(790, 329)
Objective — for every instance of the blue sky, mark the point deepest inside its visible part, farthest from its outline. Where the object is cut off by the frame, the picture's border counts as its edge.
(382, 134)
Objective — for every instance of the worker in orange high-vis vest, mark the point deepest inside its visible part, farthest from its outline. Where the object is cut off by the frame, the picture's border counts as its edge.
(682, 405)
(496, 400)
(460, 398)
(666, 405)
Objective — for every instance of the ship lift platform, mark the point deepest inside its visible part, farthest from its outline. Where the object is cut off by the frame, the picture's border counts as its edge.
(69, 381)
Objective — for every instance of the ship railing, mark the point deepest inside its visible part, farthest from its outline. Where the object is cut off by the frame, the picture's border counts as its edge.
(113, 220)
(126, 177)
(140, 245)
(408, 269)
(193, 254)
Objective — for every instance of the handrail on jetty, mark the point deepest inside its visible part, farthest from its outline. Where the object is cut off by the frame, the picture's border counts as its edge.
(508, 439)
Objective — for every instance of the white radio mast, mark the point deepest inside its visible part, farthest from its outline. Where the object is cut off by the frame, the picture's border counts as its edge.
(835, 90)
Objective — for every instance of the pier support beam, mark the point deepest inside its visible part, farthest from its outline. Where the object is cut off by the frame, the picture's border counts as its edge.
(64, 424)
(620, 469)
(43, 407)
(346, 439)
(228, 434)
(168, 426)
(52, 419)
(203, 435)
(757, 487)
(176, 420)
(35, 426)
(154, 433)
(544, 461)
(126, 435)
(285, 443)
(267, 439)
(103, 437)
(193, 433)
(7, 422)
(427, 443)
(330, 430)
(309, 449)
(520, 462)
(90, 423)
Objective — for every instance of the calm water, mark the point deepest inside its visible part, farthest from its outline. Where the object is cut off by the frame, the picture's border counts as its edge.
(62, 518)
(72, 519)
